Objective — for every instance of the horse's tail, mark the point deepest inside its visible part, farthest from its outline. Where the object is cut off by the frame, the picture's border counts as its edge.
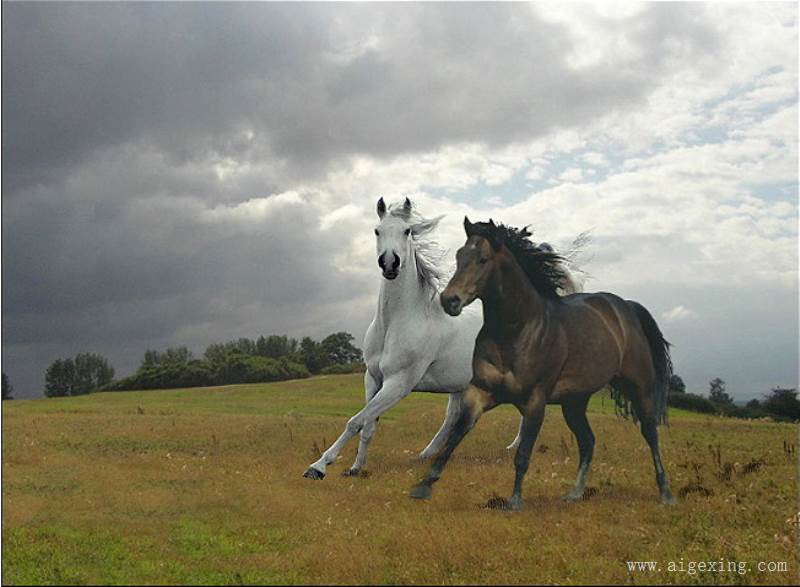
(662, 362)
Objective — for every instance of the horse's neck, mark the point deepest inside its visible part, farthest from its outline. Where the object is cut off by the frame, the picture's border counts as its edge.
(510, 301)
(403, 295)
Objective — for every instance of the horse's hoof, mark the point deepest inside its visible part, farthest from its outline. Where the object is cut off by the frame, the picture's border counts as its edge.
(514, 504)
(355, 473)
(421, 491)
(572, 496)
(668, 499)
(312, 473)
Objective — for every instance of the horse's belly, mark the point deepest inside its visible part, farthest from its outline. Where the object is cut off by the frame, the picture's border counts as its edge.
(436, 381)
(570, 383)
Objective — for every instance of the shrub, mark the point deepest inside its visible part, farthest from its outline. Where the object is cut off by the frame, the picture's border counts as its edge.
(191, 374)
(239, 368)
(745, 412)
(782, 404)
(693, 402)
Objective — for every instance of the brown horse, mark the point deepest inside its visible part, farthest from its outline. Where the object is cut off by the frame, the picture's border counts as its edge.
(536, 348)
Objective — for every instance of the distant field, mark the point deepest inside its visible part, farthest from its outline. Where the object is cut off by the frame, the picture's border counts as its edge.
(205, 486)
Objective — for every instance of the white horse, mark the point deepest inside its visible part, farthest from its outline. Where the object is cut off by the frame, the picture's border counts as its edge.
(411, 343)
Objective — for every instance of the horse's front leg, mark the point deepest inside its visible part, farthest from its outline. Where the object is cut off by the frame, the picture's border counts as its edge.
(532, 418)
(476, 402)
(394, 388)
(371, 387)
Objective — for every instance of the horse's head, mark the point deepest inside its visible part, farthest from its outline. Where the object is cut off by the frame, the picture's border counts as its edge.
(394, 236)
(474, 265)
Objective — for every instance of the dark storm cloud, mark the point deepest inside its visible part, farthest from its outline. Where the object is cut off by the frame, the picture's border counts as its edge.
(118, 230)
(190, 78)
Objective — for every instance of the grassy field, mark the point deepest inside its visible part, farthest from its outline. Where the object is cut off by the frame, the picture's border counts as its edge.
(205, 486)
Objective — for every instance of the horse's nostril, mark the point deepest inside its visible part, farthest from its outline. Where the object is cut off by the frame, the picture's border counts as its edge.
(381, 262)
(396, 263)
(451, 303)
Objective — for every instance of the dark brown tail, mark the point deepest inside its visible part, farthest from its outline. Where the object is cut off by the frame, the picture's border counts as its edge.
(659, 351)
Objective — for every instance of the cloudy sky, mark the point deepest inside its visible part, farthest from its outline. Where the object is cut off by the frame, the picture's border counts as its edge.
(180, 174)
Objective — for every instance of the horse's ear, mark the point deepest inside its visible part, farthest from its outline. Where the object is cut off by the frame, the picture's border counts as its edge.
(407, 206)
(494, 238)
(381, 208)
(467, 226)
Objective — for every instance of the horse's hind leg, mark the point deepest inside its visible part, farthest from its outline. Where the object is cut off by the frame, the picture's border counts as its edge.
(515, 443)
(455, 406)
(574, 411)
(650, 433)
(646, 412)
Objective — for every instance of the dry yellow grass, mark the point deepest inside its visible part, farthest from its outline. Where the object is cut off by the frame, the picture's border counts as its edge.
(206, 486)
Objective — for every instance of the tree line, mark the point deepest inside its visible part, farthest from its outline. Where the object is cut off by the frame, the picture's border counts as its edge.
(244, 360)
(779, 403)
(279, 357)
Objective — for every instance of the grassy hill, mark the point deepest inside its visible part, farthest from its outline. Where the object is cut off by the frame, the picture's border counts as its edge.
(205, 486)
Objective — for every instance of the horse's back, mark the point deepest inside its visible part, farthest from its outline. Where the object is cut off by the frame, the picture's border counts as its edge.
(599, 328)
(620, 319)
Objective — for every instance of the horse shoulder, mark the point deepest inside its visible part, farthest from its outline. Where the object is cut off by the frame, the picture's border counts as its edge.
(373, 343)
(487, 363)
(412, 345)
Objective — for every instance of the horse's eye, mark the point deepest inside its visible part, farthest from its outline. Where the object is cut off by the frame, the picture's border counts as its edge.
(407, 231)
(377, 233)
(482, 260)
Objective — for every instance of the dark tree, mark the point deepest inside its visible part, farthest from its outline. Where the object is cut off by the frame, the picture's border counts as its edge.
(312, 355)
(676, 384)
(219, 353)
(717, 393)
(83, 374)
(275, 347)
(215, 353)
(172, 356)
(59, 379)
(91, 372)
(245, 346)
(339, 349)
(149, 360)
(754, 404)
(782, 403)
(7, 388)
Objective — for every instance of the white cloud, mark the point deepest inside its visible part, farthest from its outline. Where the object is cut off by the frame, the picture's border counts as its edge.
(678, 313)
(595, 158)
(572, 175)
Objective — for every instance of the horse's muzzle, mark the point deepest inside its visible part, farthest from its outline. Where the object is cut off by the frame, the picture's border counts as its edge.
(389, 271)
(452, 304)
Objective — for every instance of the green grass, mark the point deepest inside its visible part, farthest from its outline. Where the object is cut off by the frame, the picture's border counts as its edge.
(205, 486)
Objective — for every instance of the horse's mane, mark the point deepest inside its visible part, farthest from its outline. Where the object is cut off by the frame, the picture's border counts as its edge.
(545, 269)
(427, 252)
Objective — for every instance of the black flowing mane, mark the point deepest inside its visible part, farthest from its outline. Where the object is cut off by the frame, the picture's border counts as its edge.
(545, 269)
